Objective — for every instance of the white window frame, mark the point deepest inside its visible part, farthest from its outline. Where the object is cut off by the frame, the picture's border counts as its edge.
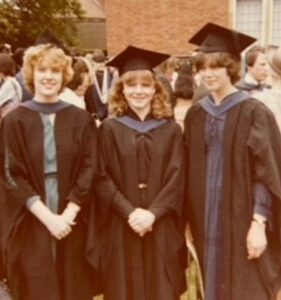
(266, 25)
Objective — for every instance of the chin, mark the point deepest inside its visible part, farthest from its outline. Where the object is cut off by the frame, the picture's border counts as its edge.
(137, 107)
(211, 88)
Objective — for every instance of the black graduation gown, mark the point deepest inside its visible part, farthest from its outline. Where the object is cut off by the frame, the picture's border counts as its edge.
(26, 241)
(251, 150)
(152, 267)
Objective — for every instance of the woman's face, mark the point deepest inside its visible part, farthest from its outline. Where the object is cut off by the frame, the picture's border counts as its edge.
(48, 80)
(215, 78)
(139, 90)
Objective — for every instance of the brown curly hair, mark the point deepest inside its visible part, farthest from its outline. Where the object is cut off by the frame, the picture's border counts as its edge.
(56, 58)
(220, 60)
(160, 105)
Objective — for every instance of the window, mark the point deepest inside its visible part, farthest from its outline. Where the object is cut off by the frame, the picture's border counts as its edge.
(276, 22)
(249, 17)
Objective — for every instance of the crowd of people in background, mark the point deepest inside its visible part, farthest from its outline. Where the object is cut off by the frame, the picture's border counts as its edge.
(119, 174)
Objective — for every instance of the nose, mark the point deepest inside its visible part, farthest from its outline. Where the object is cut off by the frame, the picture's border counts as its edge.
(48, 74)
(208, 72)
(139, 89)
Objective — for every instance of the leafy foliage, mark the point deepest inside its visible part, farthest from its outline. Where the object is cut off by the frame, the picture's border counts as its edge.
(21, 21)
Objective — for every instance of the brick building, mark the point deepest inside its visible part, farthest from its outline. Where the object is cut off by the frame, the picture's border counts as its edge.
(163, 25)
(166, 25)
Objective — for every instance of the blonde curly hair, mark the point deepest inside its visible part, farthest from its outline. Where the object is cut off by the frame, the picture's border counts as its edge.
(160, 105)
(56, 58)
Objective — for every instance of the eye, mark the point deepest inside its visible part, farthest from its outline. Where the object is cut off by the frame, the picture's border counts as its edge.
(130, 84)
(41, 69)
(55, 69)
(146, 84)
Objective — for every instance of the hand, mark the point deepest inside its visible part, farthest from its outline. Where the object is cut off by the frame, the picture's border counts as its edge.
(141, 221)
(143, 232)
(256, 240)
(58, 226)
(70, 212)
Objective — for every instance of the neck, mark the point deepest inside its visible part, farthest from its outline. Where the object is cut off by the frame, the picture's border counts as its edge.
(275, 84)
(141, 113)
(219, 95)
(44, 99)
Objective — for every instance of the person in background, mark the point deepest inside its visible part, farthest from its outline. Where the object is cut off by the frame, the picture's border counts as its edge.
(139, 187)
(10, 90)
(268, 50)
(167, 73)
(96, 96)
(48, 163)
(6, 48)
(272, 97)
(74, 92)
(184, 89)
(233, 169)
(18, 58)
(256, 64)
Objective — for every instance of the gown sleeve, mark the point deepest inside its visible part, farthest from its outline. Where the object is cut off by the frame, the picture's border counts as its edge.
(263, 200)
(264, 144)
(14, 169)
(108, 194)
(88, 163)
(170, 197)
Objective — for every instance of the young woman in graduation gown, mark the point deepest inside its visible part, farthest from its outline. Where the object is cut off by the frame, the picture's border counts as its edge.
(233, 153)
(139, 189)
(47, 168)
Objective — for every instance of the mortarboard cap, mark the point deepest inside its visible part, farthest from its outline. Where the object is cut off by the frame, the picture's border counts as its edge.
(215, 38)
(47, 37)
(133, 58)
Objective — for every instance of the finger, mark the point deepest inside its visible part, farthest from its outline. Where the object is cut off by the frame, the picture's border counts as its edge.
(134, 223)
(65, 231)
(143, 233)
(71, 223)
(68, 231)
(59, 236)
(255, 253)
(136, 227)
(251, 252)
(56, 236)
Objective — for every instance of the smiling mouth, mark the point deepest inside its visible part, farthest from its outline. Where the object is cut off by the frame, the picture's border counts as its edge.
(48, 85)
(139, 99)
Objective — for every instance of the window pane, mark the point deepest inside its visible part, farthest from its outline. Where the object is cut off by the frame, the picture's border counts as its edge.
(249, 17)
(276, 22)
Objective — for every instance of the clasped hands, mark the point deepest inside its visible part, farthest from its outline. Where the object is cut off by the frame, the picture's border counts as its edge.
(61, 225)
(141, 221)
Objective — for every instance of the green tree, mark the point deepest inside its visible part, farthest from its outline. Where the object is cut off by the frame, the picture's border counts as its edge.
(21, 21)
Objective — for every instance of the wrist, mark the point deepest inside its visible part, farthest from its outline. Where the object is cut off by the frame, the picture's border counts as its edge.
(260, 222)
(73, 207)
(47, 217)
(41, 211)
(152, 215)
